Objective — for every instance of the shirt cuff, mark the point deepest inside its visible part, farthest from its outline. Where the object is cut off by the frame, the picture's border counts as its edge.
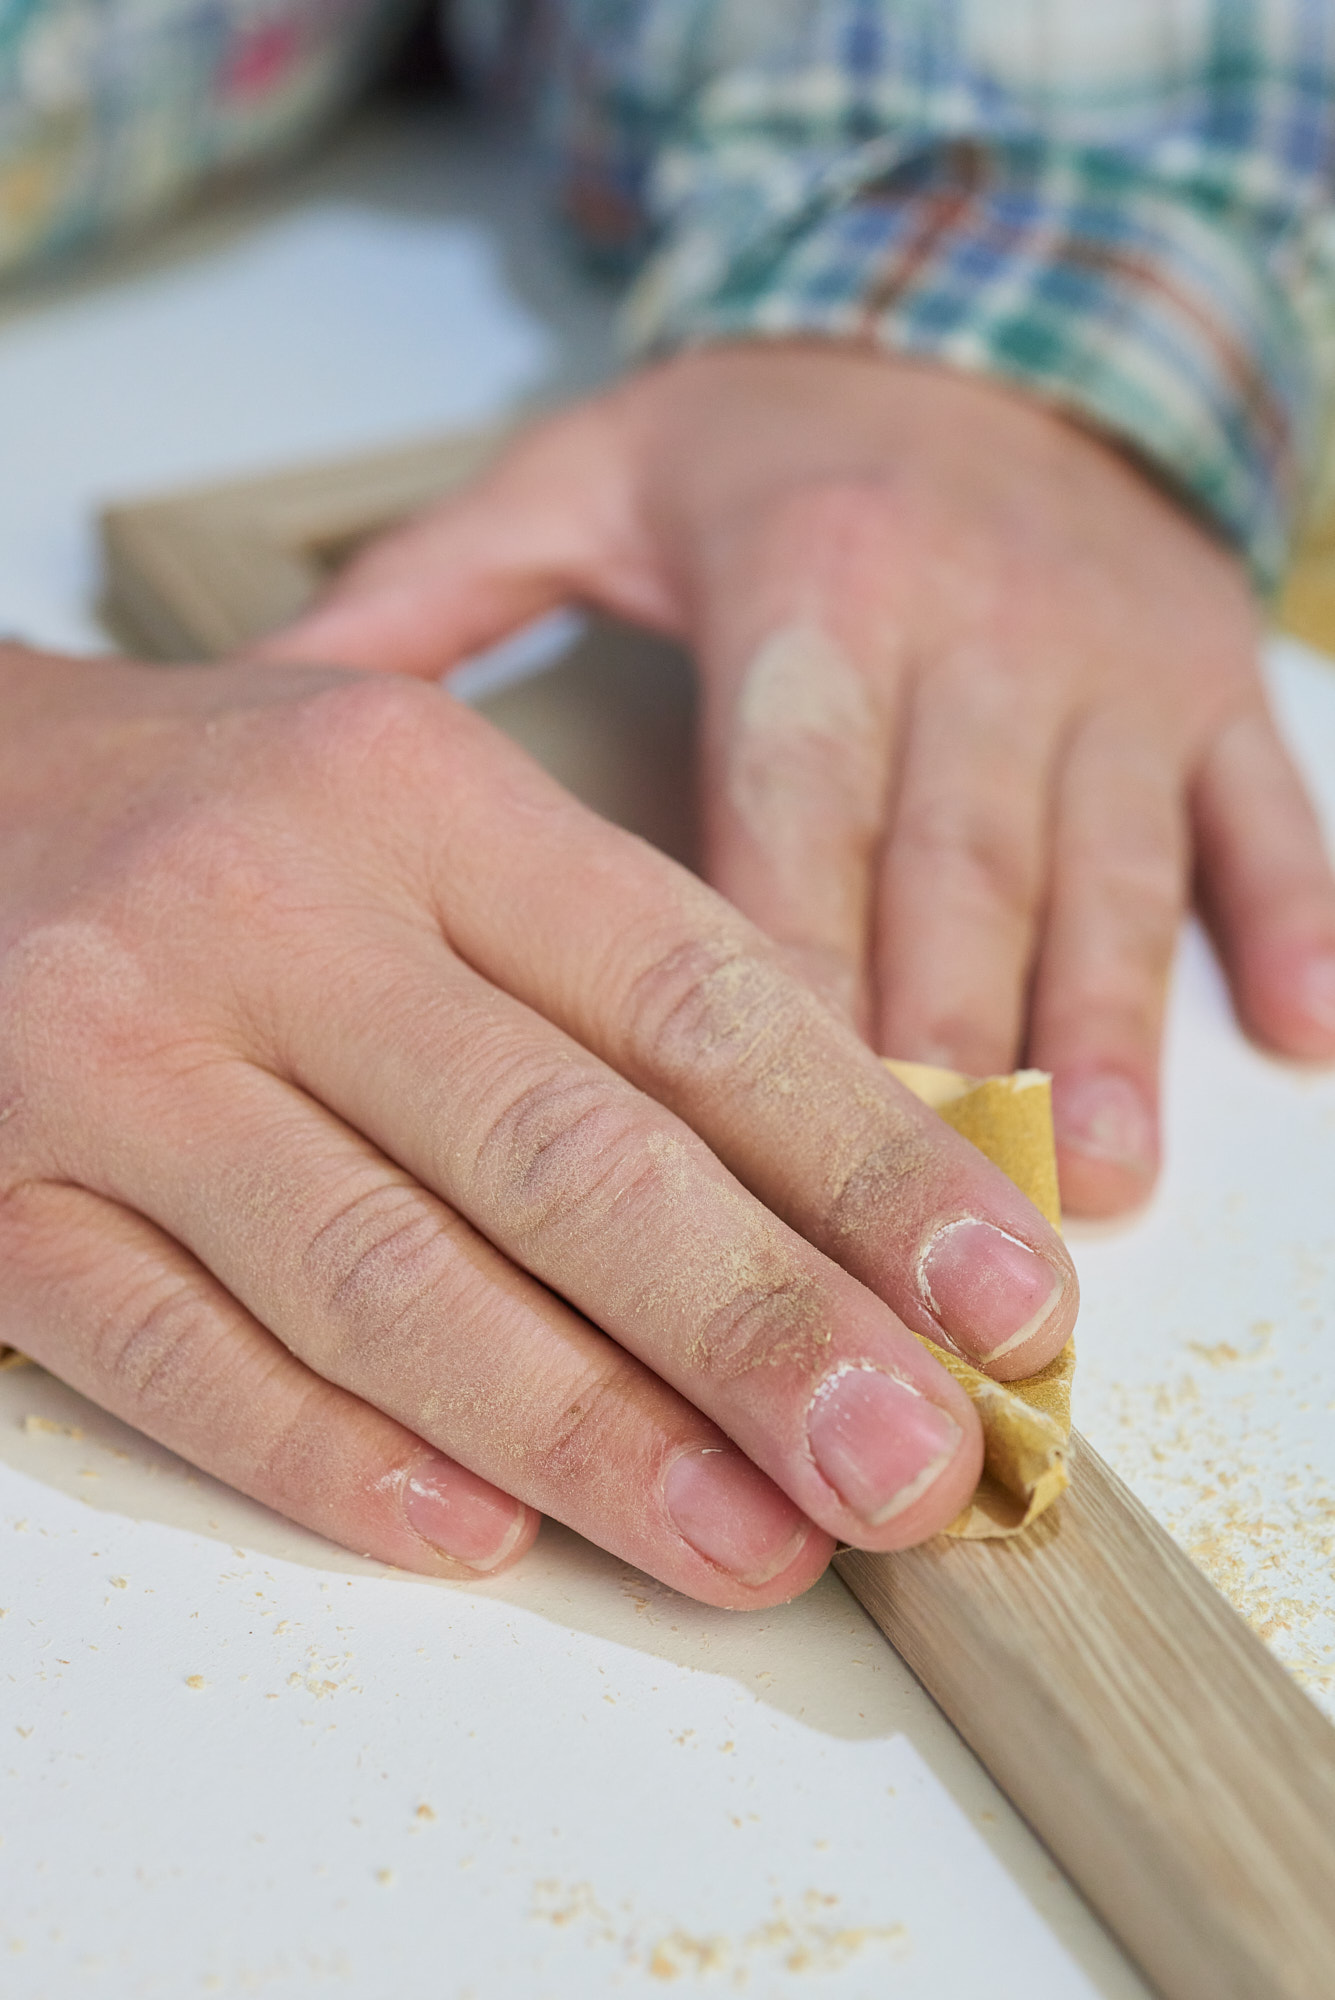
(1160, 320)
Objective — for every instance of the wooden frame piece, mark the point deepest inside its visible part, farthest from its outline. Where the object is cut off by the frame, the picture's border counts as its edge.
(198, 574)
(1183, 1781)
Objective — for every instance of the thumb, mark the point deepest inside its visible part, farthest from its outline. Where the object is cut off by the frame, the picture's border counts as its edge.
(555, 520)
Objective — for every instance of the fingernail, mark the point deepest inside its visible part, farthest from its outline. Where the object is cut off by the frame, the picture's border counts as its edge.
(732, 1515)
(1107, 1118)
(990, 1291)
(878, 1441)
(1316, 990)
(461, 1516)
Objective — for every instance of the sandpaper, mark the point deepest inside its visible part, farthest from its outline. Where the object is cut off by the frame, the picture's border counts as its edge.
(1026, 1424)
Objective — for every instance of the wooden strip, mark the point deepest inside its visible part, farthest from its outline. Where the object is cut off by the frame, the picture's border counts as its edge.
(200, 573)
(1184, 1782)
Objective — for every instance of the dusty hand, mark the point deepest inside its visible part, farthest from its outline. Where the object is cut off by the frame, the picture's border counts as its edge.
(393, 1138)
(978, 700)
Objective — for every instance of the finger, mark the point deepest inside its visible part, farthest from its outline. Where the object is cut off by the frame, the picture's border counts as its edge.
(375, 1286)
(555, 520)
(1119, 889)
(1266, 887)
(801, 661)
(621, 1210)
(116, 1309)
(965, 867)
(661, 979)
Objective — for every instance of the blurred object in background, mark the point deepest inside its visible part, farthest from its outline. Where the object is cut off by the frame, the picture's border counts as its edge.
(113, 115)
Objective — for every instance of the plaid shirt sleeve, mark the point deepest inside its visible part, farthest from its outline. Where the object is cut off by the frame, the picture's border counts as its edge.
(1125, 210)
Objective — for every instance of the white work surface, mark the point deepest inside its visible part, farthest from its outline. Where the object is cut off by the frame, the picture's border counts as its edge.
(235, 1760)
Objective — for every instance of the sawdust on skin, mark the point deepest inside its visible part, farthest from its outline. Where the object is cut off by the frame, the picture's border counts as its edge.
(801, 705)
(816, 1125)
(753, 1039)
(734, 1278)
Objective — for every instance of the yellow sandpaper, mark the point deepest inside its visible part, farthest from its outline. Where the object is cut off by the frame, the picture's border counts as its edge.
(1026, 1425)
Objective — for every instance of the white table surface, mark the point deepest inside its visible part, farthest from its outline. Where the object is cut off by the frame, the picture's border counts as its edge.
(235, 1760)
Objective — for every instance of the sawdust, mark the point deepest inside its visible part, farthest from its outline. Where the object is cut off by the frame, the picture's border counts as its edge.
(1224, 1354)
(738, 1027)
(1205, 1468)
(809, 1938)
(732, 1028)
(319, 1680)
(737, 1276)
(34, 1425)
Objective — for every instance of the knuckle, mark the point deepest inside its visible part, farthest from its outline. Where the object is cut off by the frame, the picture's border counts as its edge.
(557, 1153)
(710, 1009)
(372, 722)
(888, 1182)
(374, 1266)
(1143, 912)
(1131, 902)
(1145, 883)
(1117, 994)
(290, 1443)
(580, 1442)
(977, 857)
(774, 1321)
(163, 1347)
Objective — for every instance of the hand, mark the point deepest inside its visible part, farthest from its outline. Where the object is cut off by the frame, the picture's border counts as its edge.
(398, 1141)
(978, 700)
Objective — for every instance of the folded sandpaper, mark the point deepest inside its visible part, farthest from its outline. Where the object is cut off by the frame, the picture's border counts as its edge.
(1026, 1424)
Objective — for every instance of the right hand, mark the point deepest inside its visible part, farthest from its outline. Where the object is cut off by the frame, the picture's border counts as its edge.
(398, 1141)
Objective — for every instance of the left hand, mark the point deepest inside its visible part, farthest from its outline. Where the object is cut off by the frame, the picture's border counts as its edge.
(979, 699)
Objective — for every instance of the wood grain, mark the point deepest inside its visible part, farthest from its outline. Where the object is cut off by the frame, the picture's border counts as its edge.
(199, 573)
(1184, 1782)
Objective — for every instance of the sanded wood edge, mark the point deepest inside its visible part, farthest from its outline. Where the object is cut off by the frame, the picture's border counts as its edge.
(199, 573)
(178, 590)
(1183, 1781)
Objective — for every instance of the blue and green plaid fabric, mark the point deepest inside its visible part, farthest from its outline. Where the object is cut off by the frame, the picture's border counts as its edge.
(1124, 206)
